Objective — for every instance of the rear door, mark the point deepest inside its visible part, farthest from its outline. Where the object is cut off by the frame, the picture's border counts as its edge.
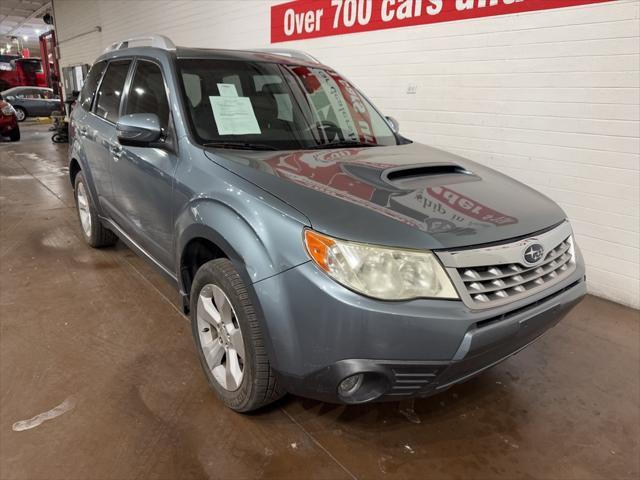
(143, 176)
(98, 128)
(106, 111)
(83, 129)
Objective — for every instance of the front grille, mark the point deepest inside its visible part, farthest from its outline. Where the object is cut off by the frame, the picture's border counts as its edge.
(497, 282)
(496, 275)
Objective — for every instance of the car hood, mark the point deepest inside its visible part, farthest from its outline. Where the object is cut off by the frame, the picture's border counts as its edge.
(410, 196)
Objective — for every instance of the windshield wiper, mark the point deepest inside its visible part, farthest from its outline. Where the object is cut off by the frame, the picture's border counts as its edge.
(240, 145)
(345, 144)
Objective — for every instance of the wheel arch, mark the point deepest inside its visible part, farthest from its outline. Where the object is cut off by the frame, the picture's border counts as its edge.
(199, 242)
(74, 169)
(208, 229)
(20, 107)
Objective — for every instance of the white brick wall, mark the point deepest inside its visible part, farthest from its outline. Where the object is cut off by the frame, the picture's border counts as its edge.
(551, 97)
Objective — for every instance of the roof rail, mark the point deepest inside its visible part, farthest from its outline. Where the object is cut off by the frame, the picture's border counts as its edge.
(156, 41)
(285, 52)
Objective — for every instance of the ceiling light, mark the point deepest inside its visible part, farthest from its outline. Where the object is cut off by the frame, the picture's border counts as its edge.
(25, 37)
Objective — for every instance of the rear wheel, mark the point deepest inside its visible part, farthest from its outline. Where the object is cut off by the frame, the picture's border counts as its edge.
(94, 233)
(229, 340)
(21, 113)
(14, 136)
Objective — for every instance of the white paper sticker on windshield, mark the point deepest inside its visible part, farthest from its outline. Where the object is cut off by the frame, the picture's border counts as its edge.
(234, 115)
(227, 90)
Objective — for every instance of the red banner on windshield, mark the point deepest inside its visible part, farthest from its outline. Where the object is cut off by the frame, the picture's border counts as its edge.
(321, 18)
(347, 100)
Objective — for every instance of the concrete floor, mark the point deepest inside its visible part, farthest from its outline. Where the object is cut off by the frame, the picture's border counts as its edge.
(100, 333)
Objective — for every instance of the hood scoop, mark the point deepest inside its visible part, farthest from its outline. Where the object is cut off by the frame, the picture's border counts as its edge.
(429, 174)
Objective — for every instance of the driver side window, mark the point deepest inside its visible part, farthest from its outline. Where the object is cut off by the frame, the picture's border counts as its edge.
(147, 93)
(110, 92)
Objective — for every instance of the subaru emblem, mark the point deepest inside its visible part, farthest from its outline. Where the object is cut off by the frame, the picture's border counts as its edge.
(533, 254)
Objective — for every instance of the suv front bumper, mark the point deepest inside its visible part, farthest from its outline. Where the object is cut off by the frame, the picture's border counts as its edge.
(318, 333)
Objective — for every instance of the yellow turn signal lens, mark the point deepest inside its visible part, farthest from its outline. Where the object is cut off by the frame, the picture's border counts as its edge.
(318, 248)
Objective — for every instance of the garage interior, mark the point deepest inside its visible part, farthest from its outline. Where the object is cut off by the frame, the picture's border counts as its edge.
(101, 335)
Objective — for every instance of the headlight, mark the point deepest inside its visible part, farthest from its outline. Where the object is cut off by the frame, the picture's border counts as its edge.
(380, 272)
(8, 110)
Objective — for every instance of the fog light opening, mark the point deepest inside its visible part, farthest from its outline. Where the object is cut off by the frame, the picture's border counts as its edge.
(362, 387)
(350, 385)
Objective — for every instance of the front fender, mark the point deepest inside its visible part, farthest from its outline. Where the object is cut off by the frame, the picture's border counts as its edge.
(261, 241)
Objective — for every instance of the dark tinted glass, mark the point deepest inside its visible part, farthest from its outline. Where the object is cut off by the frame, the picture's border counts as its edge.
(90, 85)
(8, 58)
(31, 66)
(147, 93)
(110, 92)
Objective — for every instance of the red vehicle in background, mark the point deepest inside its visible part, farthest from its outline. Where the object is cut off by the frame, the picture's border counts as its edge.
(8, 121)
(22, 72)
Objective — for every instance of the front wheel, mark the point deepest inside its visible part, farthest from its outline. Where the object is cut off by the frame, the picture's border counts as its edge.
(21, 113)
(229, 339)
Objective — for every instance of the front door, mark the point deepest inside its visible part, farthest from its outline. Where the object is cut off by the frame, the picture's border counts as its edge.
(50, 101)
(143, 176)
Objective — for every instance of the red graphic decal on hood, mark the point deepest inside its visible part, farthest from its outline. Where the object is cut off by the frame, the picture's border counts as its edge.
(469, 207)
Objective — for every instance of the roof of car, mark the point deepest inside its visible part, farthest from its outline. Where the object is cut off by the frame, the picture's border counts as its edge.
(272, 56)
(26, 87)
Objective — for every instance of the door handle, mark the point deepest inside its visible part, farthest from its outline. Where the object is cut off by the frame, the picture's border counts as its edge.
(116, 151)
(82, 131)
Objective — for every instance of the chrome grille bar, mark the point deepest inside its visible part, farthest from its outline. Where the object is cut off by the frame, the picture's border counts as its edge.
(496, 275)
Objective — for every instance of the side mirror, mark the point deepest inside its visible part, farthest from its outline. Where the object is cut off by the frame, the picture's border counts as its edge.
(10, 98)
(139, 129)
(393, 123)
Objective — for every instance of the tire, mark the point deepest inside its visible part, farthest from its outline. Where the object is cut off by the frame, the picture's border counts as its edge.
(94, 233)
(258, 385)
(14, 136)
(21, 114)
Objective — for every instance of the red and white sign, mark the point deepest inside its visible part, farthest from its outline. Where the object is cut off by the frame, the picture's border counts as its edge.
(321, 18)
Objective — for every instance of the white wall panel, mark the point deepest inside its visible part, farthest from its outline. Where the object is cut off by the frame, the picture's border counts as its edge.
(550, 97)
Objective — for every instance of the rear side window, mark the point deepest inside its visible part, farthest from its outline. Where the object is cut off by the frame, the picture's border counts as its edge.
(147, 93)
(110, 91)
(90, 84)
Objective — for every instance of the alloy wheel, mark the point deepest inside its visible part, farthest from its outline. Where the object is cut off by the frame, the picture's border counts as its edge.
(220, 337)
(83, 209)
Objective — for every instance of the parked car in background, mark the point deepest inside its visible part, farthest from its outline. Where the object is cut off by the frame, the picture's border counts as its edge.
(8, 121)
(23, 72)
(32, 101)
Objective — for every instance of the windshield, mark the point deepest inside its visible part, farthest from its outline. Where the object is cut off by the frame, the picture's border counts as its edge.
(240, 104)
(31, 66)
